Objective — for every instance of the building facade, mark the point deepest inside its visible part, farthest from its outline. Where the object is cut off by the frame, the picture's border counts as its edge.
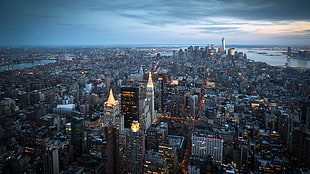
(204, 146)
(130, 105)
(112, 112)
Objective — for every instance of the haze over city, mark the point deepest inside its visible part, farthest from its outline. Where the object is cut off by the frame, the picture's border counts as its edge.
(154, 87)
(95, 22)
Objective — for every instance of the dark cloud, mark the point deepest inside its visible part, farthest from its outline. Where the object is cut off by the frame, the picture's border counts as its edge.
(159, 12)
(273, 10)
(23, 18)
(266, 10)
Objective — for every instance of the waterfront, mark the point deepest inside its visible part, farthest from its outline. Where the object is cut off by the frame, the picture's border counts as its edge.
(270, 56)
(273, 57)
(55, 108)
(25, 65)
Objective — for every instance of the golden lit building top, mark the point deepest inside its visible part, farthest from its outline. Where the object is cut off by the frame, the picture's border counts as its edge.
(111, 100)
(135, 126)
(150, 81)
(231, 51)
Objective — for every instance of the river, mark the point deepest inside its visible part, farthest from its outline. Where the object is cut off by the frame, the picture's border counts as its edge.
(271, 57)
(274, 58)
(25, 65)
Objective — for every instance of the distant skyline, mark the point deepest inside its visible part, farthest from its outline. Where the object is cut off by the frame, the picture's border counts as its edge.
(123, 22)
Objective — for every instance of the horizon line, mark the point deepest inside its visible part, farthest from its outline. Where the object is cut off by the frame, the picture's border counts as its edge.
(149, 45)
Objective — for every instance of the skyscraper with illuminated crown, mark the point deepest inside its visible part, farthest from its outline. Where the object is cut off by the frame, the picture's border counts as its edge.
(150, 115)
(135, 149)
(112, 112)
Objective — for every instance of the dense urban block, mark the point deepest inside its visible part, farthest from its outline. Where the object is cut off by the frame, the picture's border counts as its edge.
(198, 110)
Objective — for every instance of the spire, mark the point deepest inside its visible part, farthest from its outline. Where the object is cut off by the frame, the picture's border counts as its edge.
(150, 81)
(141, 70)
(223, 44)
(111, 100)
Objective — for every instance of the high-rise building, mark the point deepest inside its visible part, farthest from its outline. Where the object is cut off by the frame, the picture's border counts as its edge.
(107, 82)
(160, 93)
(105, 145)
(151, 137)
(130, 105)
(223, 45)
(299, 146)
(135, 149)
(112, 112)
(231, 51)
(190, 48)
(191, 105)
(305, 113)
(154, 162)
(168, 150)
(155, 134)
(207, 145)
(177, 105)
(212, 50)
(150, 114)
(201, 165)
(111, 135)
(289, 52)
(78, 135)
(179, 144)
(51, 161)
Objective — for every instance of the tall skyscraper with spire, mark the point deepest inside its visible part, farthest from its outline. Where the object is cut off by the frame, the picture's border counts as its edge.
(223, 45)
(112, 112)
(150, 103)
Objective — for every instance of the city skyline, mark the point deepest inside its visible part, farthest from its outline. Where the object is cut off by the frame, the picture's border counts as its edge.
(96, 22)
(213, 112)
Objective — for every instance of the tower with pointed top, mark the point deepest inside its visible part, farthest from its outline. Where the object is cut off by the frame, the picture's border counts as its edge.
(150, 104)
(112, 112)
(141, 70)
(223, 45)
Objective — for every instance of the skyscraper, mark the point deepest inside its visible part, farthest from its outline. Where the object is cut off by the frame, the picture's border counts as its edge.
(192, 101)
(135, 149)
(155, 134)
(150, 115)
(289, 52)
(207, 145)
(113, 156)
(223, 45)
(51, 161)
(168, 151)
(78, 135)
(130, 105)
(112, 112)
(154, 162)
(177, 105)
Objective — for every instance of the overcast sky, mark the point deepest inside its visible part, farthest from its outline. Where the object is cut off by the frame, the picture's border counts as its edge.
(101, 22)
